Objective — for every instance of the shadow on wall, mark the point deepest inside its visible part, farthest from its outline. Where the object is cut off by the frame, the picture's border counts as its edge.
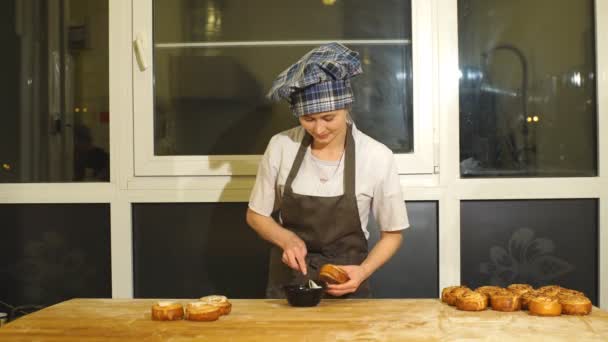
(235, 256)
(218, 119)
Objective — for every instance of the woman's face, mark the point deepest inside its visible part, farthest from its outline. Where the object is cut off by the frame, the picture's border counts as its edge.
(326, 126)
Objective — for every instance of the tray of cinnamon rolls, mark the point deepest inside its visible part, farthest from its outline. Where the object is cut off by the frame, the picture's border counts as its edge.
(206, 309)
(551, 300)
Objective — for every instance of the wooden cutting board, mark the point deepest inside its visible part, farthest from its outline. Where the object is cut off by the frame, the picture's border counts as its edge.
(274, 320)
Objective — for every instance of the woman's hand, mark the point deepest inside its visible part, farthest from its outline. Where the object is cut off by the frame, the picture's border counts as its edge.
(294, 252)
(383, 250)
(357, 275)
(294, 249)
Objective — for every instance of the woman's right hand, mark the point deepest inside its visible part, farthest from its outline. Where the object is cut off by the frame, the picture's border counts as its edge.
(294, 249)
(294, 252)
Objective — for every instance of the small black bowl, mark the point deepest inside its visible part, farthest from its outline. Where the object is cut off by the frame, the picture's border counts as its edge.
(302, 295)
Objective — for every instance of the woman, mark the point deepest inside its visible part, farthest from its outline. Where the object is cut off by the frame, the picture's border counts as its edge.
(324, 177)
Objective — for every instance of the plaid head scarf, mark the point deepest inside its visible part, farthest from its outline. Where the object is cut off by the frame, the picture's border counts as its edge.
(319, 81)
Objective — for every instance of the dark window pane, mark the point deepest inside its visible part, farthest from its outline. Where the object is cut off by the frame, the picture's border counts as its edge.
(53, 252)
(214, 104)
(413, 272)
(207, 246)
(210, 249)
(237, 20)
(210, 80)
(538, 242)
(528, 88)
(55, 78)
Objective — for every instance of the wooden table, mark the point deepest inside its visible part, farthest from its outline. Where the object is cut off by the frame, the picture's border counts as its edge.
(274, 320)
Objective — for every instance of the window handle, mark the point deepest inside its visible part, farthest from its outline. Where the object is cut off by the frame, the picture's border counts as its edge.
(140, 52)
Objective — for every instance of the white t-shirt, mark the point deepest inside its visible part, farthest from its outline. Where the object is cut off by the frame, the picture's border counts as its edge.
(377, 184)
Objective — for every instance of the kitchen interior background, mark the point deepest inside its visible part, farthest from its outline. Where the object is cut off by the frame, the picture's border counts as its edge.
(528, 110)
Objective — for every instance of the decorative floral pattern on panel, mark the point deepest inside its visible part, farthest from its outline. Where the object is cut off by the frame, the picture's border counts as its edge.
(527, 259)
(51, 270)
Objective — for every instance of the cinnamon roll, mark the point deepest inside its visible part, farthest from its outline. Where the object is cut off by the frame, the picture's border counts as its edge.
(505, 300)
(520, 289)
(570, 292)
(453, 294)
(333, 274)
(167, 311)
(488, 289)
(446, 291)
(550, 290)
(544, 306)
(575, 305)
(219, 301)
(472, 301)
(527, 297)
(200, 311)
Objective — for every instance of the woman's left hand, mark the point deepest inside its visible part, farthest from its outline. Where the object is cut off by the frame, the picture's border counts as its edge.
(357, 275)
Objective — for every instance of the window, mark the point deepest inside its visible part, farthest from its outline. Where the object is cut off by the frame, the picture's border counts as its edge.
(213, 237)
(200, 105)
(536, 242)
(528, 89)
(413, 272)
(54, 252)
(55, 124)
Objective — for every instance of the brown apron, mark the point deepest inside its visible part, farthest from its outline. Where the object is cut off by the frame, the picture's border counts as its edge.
(330, 227)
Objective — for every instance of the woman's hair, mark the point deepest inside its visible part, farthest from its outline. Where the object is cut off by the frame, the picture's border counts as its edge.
(349, 116)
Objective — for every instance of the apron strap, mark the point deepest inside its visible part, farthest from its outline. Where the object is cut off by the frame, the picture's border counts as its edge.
(306, 141)
(349, 164)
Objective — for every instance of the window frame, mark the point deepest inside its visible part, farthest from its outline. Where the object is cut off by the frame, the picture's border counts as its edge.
(420, 161)
(447, 188)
